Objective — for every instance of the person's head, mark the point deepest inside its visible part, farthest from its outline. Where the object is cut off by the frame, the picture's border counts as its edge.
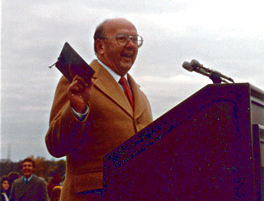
(116, 44)
(13, 176)
(27, 167)
(5, 184)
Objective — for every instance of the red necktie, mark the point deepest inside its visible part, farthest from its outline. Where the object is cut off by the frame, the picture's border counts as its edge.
(127, 90)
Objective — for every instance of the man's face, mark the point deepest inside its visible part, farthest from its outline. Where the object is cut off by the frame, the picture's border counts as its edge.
(119, 58)
(27, 169)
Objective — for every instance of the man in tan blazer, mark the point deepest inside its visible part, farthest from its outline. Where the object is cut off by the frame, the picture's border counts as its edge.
(89, 119)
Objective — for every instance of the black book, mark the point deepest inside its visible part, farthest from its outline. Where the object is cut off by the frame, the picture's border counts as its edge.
(70, 63)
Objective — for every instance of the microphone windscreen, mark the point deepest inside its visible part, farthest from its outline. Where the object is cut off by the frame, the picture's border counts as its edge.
(187, 66)
(195, 63)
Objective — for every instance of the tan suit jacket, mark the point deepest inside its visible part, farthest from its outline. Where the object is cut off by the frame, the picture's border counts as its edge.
(110, 121)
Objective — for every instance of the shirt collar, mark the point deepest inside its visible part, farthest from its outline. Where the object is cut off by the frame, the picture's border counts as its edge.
(27, 179)
(114, 75)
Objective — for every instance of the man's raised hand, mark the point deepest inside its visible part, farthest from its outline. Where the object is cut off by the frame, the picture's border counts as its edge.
(79, 93)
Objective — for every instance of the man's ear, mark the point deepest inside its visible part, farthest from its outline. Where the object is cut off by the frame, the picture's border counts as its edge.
(100, 46)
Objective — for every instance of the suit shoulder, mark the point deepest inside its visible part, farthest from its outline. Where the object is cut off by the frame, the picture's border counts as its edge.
(38, 179)
(18, 181)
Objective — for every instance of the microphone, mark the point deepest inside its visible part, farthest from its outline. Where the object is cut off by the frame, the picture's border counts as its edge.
(187, 66)
(215, 76)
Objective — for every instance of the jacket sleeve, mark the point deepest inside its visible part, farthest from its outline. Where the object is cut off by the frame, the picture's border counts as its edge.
(65, 130)
(12, 192)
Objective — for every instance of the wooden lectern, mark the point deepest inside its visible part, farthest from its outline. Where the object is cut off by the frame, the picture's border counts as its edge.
(207, 148)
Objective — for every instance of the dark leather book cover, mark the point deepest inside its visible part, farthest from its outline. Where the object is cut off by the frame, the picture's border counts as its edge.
(70, 63)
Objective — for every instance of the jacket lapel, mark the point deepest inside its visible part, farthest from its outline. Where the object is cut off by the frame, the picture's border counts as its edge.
(139, 101)
(105, 82)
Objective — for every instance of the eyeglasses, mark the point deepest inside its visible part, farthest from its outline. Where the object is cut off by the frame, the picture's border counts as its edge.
(123, 39)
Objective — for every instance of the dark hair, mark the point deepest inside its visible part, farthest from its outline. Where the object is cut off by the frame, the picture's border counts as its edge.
(4, 178)
(99, 33)
(28, 160)
(13, 176)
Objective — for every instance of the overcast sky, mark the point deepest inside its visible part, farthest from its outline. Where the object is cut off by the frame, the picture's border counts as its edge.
(223, 35)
